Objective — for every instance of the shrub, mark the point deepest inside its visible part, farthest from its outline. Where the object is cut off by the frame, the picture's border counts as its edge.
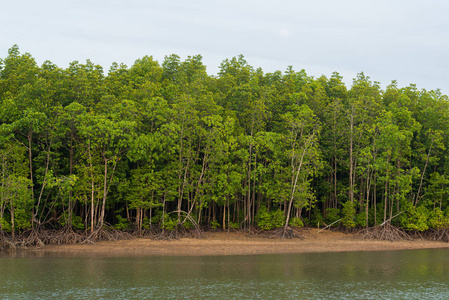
(122, 223)
(5, 225)
(360, 219)
(437, 219)
(296, 222)
(415, 218)
(77, 221)
(164, 221)
(266, 220)
(214, 224)
(332, 215)
(146, 223)
(234, 225)
(169, 223)
(349, 214)
(316, 218)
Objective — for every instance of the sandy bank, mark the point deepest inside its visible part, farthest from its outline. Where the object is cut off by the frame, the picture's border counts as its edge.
(222, 243)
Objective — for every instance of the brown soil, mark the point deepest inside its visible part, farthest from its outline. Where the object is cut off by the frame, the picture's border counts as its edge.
(222, 243)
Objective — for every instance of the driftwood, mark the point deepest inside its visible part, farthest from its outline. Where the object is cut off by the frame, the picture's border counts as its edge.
(329, 225)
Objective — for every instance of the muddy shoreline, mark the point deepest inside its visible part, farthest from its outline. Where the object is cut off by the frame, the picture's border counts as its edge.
(222, 243)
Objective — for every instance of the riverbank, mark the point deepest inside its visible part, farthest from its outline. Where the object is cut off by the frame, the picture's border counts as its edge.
(236, 243)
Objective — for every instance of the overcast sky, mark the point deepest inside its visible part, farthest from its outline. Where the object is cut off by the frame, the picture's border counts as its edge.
(407, 41)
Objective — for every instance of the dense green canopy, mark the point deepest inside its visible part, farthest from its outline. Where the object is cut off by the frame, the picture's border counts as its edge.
(164, 145)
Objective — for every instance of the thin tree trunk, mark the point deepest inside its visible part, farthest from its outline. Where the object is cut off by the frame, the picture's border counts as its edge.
(105, 191)
(43, 184)
(92, 191)
(296, 180)
(2, 195)
(375, 199)
(30, 158)
(71, 155)
(13, 229)
(224, 216)
(351, 165)
(422, 175)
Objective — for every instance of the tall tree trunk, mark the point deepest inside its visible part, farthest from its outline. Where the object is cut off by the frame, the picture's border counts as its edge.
(92, 198)
(13, 229)
(351, 163)
(307, 144)
(248, 200)
(30, 159)
(418, 194)
(105, 191)
(386, 195)
(71, 157)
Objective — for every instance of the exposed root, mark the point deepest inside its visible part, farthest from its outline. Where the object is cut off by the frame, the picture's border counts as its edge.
(107, 233)
(252, 231)
(286, 232)
(440, 234)
(353, 230)
(198, 232)
(65, 236)
(385, 232)
(34, 239)
(22, 241)
(40, 237)
(6, 243)
(168, 235)
(179, 232)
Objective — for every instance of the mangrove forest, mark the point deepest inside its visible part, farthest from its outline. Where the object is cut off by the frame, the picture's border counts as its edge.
(164, 149)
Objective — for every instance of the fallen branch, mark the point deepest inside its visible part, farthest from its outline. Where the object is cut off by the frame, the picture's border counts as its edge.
(329, 225)
(389, 220)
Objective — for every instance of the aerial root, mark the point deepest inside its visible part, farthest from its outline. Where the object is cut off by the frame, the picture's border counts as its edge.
(439, 234)
(59, 237)
(22, 241)
(179, 232)
(286, 232)
(106, 233)
(6, 243)
(385, 232)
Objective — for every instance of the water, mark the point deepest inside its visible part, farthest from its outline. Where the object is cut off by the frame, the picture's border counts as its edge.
(416, 274)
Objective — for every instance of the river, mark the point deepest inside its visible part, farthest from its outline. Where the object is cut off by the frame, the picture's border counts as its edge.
(411, 274)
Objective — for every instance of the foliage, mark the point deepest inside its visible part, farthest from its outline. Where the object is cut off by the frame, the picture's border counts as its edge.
(296, 222)
(332, 215)
(438, 219)
(165, 221)
(214, 224)
(267, 220)
(166, 141)
(122, 223)
(77, 222)
(416, 218)
(5, 225)
(349, 215)
(317, 218)
(360, 219)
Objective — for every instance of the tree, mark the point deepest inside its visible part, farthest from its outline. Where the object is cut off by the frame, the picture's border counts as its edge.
(109, 136)
(302, 137)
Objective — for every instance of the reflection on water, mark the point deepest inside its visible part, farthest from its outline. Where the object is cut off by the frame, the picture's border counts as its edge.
(363, 275)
